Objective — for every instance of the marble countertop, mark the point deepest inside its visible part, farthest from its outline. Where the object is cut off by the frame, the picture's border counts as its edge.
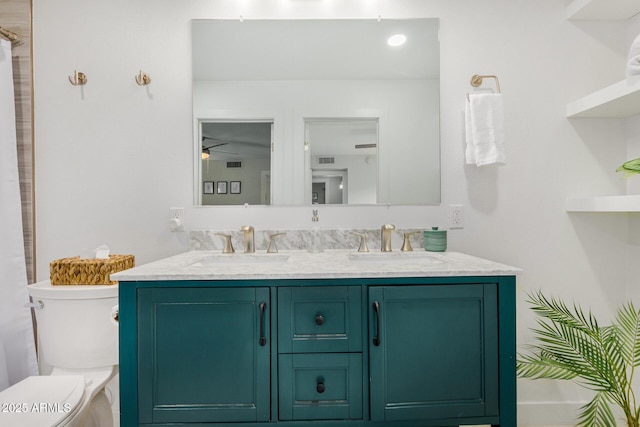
(299, 264)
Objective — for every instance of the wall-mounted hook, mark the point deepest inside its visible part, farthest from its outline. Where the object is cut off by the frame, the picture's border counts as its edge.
(143, 79)
(78, 78)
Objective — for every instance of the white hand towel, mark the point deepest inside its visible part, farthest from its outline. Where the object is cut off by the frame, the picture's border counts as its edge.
(633, 63)
(485, 129)
(470, 151)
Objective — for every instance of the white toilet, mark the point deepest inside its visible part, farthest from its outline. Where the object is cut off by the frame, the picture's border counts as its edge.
(78, 338)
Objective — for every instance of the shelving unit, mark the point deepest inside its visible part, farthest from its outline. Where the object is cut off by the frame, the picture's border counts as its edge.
(604, 204)
(619, 100)
(602, 10)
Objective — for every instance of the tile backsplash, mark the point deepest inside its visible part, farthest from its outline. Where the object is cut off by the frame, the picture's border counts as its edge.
(204, 240)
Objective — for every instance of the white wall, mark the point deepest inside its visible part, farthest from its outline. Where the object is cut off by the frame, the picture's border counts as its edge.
(112, 157)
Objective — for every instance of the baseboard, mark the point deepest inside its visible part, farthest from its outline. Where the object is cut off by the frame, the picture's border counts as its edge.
(548, 413)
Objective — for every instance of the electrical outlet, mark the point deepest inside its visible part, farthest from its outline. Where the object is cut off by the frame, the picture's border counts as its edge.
(456, 216)
(176, 220)
(177, 213)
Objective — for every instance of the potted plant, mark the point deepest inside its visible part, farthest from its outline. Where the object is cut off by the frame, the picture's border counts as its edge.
(571, 345)
(632, 167)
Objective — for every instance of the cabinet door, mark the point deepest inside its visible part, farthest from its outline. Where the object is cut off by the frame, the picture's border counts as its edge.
(203, 354)
(433, 352)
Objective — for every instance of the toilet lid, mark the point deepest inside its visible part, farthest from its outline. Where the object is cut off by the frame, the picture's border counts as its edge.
(41, 401)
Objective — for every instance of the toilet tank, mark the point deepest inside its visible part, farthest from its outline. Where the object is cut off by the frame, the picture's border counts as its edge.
(75, 326)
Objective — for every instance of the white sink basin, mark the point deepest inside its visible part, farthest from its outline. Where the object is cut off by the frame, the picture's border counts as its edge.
(239, 258)
(415, 257)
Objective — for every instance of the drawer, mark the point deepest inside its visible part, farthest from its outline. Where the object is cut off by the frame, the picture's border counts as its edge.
(320, 386)
(319, 319)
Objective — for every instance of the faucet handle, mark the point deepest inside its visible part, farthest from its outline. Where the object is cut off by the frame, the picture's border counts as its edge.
(406, 244)
(228, 247)
(363, 242)
(271, 247)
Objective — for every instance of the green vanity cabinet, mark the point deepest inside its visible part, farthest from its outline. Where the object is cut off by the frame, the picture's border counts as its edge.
(339, 352)
(203, 355)
(434, 352)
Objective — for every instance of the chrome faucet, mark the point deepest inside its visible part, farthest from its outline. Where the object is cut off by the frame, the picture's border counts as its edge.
(385, 237)
(249, 239)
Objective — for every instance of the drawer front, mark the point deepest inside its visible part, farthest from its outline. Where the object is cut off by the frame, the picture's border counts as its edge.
(319, 319)
(321, 386)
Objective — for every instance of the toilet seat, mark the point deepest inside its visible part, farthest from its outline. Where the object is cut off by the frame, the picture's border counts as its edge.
(94, 379)
(42, 401)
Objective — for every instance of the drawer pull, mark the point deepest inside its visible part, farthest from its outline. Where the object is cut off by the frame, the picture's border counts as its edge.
(320, 386)
(376, 310)
(263, 306)
(319, 319)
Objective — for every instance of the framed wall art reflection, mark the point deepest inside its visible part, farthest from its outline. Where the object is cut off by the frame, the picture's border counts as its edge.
(222, 187)
(235, 187)
(207, 187)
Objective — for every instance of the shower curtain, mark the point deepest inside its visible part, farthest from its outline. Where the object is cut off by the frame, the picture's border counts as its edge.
(17, 348)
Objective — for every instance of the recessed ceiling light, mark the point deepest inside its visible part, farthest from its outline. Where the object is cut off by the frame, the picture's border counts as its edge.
(397, 40)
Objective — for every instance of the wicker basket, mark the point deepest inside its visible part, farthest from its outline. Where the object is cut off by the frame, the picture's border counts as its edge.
(77, 271)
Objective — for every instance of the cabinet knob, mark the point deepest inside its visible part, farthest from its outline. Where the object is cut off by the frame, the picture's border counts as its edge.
(320, 386)
(319, 319)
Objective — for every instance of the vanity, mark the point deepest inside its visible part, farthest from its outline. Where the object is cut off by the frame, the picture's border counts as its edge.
(337, 338)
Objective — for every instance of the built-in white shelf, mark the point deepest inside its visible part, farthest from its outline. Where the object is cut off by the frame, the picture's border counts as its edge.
(604, 204)
(621, 99)
(602, 10)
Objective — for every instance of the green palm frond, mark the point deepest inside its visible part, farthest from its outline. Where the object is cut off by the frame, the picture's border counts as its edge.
(597, 413)
(558, 312)
(628, 319)
(572, 346)
(572, 342)
(615, 351)
(542, 367)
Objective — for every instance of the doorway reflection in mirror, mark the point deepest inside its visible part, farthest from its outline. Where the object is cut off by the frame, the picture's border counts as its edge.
(342, 160)
(236, 152)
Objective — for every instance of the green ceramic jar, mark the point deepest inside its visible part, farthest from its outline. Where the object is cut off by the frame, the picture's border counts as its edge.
(435, 240)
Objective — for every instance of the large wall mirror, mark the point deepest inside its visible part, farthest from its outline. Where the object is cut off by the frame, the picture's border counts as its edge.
(298, 112)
